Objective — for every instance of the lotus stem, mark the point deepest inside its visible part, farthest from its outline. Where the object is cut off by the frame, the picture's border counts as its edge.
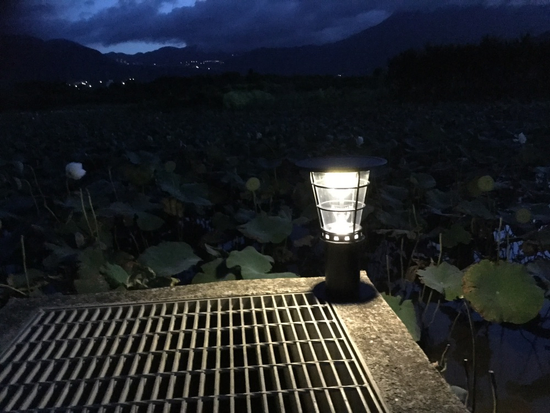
(453, 326)
(494, 390)
(32, 196)
(498, 238)
(473, 357)
(435, 312)
(442, 362)
(401, 253)
(85, 214)
(112, 184)
(25, 263)
(93, 213)
(388, 272)
(465, 364)
(12, 288)
(427, 304)
(440, 248)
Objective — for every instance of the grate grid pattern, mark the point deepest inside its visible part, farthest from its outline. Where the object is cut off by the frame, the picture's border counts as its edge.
(273, 353)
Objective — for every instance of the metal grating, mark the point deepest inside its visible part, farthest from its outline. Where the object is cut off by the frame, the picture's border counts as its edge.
(273, 353)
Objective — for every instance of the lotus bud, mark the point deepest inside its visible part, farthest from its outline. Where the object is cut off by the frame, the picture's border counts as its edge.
(74, 170)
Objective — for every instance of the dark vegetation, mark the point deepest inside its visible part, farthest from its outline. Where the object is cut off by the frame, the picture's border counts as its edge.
(171, 192)
(492, 70)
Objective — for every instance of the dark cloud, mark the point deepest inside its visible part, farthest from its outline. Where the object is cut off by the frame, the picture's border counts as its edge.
(229, 25)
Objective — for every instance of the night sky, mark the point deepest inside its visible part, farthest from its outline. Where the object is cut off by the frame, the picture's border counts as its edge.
(132, 26)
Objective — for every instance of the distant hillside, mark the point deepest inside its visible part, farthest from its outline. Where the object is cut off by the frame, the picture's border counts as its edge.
(168, 56)
(24, 58)
(371, 48)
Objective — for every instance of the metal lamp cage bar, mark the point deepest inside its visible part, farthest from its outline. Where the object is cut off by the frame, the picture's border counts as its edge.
(359, 191)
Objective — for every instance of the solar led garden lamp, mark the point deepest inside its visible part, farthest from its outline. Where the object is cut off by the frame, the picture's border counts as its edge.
(340, 188)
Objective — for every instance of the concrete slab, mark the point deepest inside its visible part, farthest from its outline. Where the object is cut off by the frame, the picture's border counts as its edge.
(401, 370)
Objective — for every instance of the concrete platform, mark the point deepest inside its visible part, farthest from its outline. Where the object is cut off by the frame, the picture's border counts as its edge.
(401, 370)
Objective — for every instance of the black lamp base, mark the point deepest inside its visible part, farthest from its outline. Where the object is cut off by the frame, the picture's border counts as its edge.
(342, 275)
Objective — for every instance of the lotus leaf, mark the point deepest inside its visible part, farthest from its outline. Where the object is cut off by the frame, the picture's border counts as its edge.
(423, 180)
(475, 208)
(145, 220)
(444, 278)
(169, 258)
(455, 235)
(405, 312)
(264, 228)
(502, 292)
(116, 275)
(188, 193)
(21, 281)
(141, 276)
(254, 265)
(210, 273)
(440, 200)
(90, 280)
(393, 196)
(541, 270)
(148, 222)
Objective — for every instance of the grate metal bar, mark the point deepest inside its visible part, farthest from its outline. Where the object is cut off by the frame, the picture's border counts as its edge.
(273, 353)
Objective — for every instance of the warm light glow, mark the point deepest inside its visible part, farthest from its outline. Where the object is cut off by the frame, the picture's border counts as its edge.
(340, 199)
(340, 179)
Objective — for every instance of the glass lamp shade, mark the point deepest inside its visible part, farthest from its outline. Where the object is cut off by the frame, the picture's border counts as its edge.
(340, 200)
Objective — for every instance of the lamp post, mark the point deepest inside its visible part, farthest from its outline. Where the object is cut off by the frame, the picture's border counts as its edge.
(340, 188)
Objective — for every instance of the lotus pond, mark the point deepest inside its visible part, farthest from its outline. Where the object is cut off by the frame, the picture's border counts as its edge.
(457, 227)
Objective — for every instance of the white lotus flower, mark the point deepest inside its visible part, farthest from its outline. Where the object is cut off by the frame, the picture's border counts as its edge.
(521, 138)
(74, 170)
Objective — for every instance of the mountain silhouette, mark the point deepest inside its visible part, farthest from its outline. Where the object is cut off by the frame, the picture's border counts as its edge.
(24, 58)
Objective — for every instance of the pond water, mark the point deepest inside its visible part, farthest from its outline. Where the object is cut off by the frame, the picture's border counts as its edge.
(519, 356)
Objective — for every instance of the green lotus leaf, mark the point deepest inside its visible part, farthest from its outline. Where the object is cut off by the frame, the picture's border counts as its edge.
(210, 273)
(541, 270)
(541, 237)
(254, 265)
(141, 276)
(405, 312)
(193, 193)
(138, 175)
(149, 222)
(250, 260)
(455, 235)
(58, 254)
(145, 220)
(423, 180)
(116, 275)
(264, 228)
(502, 292)
(169, 258)
(440, 200)
(90, 279)
(22, 280)
(444, 278)
(475, 208)
(393, 196)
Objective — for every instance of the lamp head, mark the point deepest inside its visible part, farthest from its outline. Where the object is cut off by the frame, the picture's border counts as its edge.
(340, 188)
